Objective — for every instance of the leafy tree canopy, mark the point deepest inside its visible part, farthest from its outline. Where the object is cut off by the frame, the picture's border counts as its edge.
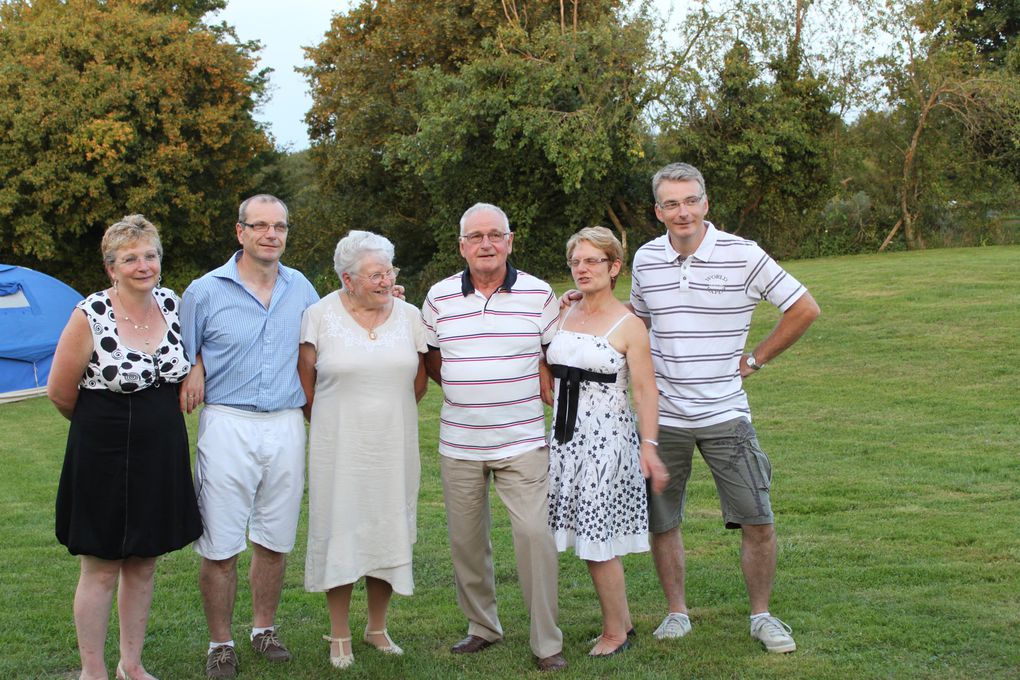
(421, 110)
(110, 109)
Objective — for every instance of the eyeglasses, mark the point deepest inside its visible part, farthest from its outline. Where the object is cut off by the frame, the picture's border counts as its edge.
(378, 277)
(690, 202)
(263, 227)
(131, 260)
(588, 262)
(476, 238)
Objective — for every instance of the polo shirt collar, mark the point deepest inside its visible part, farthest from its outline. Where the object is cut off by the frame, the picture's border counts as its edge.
(704, 251)
(467, 288)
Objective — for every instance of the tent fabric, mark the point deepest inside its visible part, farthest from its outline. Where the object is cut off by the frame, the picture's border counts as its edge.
(34, 308)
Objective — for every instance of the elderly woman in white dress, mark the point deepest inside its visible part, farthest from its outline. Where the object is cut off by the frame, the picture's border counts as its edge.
(361, 365)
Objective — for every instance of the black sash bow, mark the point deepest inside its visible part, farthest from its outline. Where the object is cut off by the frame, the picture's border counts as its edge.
(570, 389)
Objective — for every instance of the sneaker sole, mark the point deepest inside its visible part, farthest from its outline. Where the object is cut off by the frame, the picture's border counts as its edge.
(781, 649)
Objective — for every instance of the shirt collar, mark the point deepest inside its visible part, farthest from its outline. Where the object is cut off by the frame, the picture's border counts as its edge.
(705, 248)
(229, 269)
(467, 288)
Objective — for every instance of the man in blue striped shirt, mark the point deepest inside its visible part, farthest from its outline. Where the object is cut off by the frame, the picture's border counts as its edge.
(241, 324)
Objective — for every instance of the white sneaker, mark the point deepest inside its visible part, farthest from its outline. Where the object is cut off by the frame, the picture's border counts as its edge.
(774, 634)
(673, 626)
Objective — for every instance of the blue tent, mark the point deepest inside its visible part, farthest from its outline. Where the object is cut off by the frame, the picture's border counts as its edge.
(34, 308)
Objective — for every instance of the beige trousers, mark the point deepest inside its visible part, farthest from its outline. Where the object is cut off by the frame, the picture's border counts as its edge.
(522, 484)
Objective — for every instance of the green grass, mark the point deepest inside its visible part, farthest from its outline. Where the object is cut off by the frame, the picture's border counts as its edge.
(894, 436)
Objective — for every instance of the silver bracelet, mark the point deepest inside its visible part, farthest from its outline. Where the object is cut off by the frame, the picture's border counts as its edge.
(651, 441)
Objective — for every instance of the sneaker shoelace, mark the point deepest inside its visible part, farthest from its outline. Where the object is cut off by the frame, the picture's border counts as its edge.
(219, 656)
(776, 627)
(267, 640)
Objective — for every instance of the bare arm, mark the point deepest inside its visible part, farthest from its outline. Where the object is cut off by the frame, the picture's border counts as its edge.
(421, 380)
(307, 357)
(645, 395)
(792, 324)
(546, 381)
(74, 349)
(193, 387)
(434, 365)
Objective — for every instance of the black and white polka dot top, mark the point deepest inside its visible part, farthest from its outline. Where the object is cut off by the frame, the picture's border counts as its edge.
(118, 368)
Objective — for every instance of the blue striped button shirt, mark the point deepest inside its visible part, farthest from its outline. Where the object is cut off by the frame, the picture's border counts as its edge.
(249, 352)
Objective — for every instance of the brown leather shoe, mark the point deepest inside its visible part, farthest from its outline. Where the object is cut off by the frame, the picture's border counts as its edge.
(556, 662)
(471, 645)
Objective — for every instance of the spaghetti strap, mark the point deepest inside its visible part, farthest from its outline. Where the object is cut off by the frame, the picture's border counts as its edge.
(559, 325)
(618, 322)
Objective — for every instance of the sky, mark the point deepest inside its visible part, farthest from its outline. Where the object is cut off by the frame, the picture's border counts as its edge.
(284, 28)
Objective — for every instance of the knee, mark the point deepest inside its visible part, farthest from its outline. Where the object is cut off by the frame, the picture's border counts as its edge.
(100, 576)
(535, 534)
(219, 567)
(263, 553)
(759, 534)
(138, 569)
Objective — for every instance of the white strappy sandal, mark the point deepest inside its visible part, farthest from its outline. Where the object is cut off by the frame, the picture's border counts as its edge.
(391, 648)
(344, 660)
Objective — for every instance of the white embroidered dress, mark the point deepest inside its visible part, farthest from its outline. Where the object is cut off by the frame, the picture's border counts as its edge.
(363, 465)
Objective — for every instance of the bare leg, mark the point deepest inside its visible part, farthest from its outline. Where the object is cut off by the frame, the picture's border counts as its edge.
(217, 580)
(612, 591)
(267, 567)
(134, 599)
(379, 593)
(338, 600)
(92, 601)
(758, 562)
(668, 553)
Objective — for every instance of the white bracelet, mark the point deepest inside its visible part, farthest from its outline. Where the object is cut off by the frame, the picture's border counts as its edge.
(651, 441)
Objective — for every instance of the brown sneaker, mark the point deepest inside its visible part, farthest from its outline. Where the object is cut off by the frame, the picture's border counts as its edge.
(221, 662)
(269, 646)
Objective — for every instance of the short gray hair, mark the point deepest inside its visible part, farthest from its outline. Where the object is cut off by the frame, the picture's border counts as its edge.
(242, 212)
(129, 230)
(356, 245)
(677, 172)
(485, 207)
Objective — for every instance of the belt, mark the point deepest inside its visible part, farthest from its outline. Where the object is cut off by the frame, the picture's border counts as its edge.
(571, 378)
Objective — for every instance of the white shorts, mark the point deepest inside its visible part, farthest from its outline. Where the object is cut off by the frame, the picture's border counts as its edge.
(249, 474)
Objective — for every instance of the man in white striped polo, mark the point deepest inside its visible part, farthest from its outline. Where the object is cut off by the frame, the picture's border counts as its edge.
(486, 328)
(696, 288)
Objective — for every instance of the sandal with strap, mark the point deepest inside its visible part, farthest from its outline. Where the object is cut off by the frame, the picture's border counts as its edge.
(122, 674)
(391, 648)
(344, 660)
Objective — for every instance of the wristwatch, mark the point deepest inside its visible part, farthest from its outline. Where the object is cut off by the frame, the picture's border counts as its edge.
(752, 363)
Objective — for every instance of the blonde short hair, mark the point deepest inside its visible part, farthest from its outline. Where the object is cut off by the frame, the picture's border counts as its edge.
(601, 238)
(130, 229)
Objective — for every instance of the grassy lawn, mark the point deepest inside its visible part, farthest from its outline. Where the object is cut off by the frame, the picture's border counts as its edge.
(894, 435)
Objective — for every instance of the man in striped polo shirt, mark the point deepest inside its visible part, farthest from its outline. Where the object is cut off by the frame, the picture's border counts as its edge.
(696, 288)
(486, 329)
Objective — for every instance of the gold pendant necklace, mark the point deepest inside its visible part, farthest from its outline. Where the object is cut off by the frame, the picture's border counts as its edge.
(144, 326)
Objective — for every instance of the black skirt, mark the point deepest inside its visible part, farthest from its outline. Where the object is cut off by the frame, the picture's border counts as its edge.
(126, 488)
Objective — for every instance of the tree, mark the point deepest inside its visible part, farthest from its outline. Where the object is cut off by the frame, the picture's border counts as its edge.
(109, 108)
(759, 126)
(937, 74)
(422, 109)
